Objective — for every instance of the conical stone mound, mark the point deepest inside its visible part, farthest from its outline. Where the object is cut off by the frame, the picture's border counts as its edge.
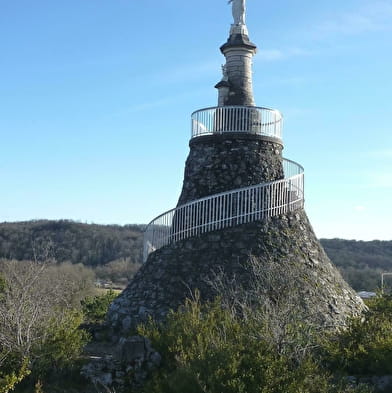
(240, 201)
(175, 271)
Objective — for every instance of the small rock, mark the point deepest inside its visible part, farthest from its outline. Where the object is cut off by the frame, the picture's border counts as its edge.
(143, 312)
(106, 379)
(127, 323)
(132, 349)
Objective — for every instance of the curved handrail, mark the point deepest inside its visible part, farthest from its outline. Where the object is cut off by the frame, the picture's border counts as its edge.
(227, 209)
(239, 119)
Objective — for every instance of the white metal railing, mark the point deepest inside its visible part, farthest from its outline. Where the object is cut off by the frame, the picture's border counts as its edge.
(227, 209)
(247, 119)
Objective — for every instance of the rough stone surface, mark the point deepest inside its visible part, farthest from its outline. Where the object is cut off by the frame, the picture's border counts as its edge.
(172, 273)
(131, 363)
(220, 163)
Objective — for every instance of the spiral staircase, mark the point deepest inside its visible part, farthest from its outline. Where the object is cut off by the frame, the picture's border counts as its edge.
(236, 206)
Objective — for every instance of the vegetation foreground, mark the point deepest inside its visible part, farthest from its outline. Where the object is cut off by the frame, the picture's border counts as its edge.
(210, 348)
(223, 346)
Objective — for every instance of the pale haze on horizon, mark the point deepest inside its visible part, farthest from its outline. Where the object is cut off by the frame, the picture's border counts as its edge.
(96, 98)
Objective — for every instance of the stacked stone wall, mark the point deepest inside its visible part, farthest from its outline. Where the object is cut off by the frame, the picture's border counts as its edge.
(174, 272)
(221, 163)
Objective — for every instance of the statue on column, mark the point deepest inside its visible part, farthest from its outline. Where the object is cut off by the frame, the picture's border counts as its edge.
(238, 10)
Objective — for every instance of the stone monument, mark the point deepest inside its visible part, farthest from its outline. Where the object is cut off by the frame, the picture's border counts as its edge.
(240, 199)
(238, 11)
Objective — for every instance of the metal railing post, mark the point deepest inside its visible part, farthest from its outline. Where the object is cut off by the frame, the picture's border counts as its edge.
(382, 280)
(289, 196)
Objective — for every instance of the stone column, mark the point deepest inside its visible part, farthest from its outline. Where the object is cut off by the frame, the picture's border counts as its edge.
(239, 51)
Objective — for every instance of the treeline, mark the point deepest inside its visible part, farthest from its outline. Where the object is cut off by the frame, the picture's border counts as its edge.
(114, 250)
(89, 244)
(361, 262)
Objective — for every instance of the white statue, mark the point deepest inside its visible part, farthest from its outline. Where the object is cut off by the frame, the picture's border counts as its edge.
(238, 10)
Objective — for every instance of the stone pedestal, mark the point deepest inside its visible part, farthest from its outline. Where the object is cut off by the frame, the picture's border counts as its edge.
(174, 272)
(239, 51)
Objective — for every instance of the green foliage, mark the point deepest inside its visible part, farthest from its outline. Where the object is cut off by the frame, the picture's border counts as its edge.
(9, 380)
(95, 307)
(365, 346)
(63, 344)
(207, 349)
(38, 320)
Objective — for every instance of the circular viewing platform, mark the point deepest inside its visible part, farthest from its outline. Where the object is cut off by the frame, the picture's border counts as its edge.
(237, 119)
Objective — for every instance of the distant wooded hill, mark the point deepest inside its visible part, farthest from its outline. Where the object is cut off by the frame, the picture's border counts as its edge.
(360, 262)
(90, 244)
(93, 245)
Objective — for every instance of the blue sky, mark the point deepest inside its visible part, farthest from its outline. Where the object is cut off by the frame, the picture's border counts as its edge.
(96, 97)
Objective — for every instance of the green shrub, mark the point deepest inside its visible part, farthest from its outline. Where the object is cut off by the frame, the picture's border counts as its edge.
(95, 307)
(8, 380)
(63, 344)
(365, 346)
(207, 349)
(38, 320)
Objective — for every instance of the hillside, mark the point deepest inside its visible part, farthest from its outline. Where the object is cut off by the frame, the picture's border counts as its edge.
(90, 244)
(94, 245)
(360, 262)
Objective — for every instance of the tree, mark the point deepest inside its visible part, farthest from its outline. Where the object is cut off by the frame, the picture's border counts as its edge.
(96, 307)
(38, 320)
